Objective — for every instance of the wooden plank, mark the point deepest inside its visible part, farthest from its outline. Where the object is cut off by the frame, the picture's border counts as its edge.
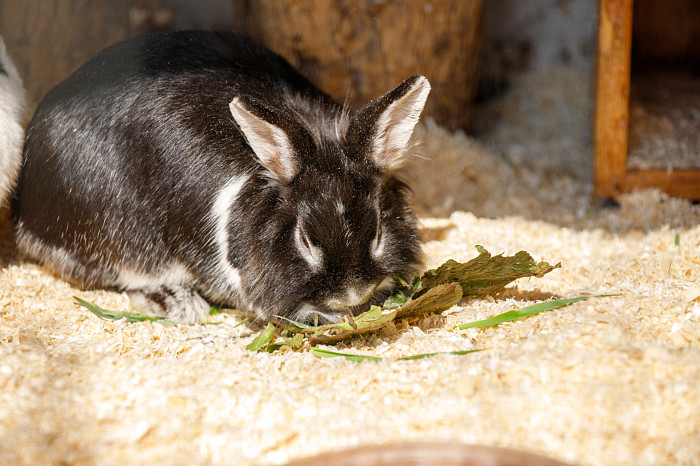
(677, 183)
(612, 97)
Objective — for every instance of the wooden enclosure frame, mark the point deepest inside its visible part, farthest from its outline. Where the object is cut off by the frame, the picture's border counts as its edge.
(611, 127)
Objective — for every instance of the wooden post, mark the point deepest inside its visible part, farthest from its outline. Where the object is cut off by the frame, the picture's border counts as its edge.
(612, 97)
(360, 49)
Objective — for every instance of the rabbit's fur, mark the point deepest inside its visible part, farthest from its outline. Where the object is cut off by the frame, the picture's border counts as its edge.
(12, 106)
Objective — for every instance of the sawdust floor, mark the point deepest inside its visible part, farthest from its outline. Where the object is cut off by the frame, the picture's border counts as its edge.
(607, 381)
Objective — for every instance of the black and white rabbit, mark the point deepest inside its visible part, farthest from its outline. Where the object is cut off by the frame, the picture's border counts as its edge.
(193, 167)
(12, 105)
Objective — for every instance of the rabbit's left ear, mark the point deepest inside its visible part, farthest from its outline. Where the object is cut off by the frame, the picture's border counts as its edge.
(270, 143)
(387, 123)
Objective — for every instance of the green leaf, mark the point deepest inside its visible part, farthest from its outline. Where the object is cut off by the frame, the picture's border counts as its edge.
(402, 292)
(264, 339)
(267, 340)
(297, 341)
(369, 321)
(214, 310)
(528, 311)
(244, 321)
(435, 291)
(484, 274)
(401, 282)
(396, 300)
(437, 299)
(106, 314)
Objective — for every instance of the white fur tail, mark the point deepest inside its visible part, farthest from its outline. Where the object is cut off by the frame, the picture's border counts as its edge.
(13, 100)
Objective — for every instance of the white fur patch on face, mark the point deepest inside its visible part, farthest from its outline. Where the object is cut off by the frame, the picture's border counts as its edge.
(220, 214)
(359, 295)
(312, 254)
(340, 208)
(351, 297)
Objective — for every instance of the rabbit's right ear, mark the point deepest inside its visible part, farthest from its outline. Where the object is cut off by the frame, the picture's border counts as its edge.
(269, 142)
(386, 124)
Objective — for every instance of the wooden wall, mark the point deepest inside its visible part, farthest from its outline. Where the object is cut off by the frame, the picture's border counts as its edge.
(49, 39)
(666, 32)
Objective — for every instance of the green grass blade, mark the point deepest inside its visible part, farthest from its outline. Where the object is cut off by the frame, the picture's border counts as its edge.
(430, 355)
(294, 322)
(321, 353)
(528, 311)
(244, 321)
(106, 314)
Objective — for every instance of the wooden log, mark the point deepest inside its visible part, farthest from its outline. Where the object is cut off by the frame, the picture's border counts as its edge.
(359, 49)
(612, 97)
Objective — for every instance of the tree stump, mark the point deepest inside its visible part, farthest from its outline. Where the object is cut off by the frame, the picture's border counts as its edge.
(359, 49)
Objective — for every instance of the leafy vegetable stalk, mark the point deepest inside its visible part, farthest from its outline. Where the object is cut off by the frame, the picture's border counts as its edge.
(435, 291)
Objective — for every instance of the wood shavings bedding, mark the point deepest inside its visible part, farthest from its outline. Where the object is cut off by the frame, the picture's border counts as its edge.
(602, 382)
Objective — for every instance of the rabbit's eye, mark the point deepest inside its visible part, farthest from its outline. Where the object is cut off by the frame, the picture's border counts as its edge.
(311, 253)
(304, 241)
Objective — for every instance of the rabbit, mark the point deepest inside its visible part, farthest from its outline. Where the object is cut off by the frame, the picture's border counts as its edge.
(193, 168)
(13, 101)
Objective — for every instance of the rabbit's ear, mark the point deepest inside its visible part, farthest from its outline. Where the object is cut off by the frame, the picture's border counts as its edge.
(387, 123)
(269, 142)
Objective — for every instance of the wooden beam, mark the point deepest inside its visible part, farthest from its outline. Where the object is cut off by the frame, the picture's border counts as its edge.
(677, 183)
(612, 97)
